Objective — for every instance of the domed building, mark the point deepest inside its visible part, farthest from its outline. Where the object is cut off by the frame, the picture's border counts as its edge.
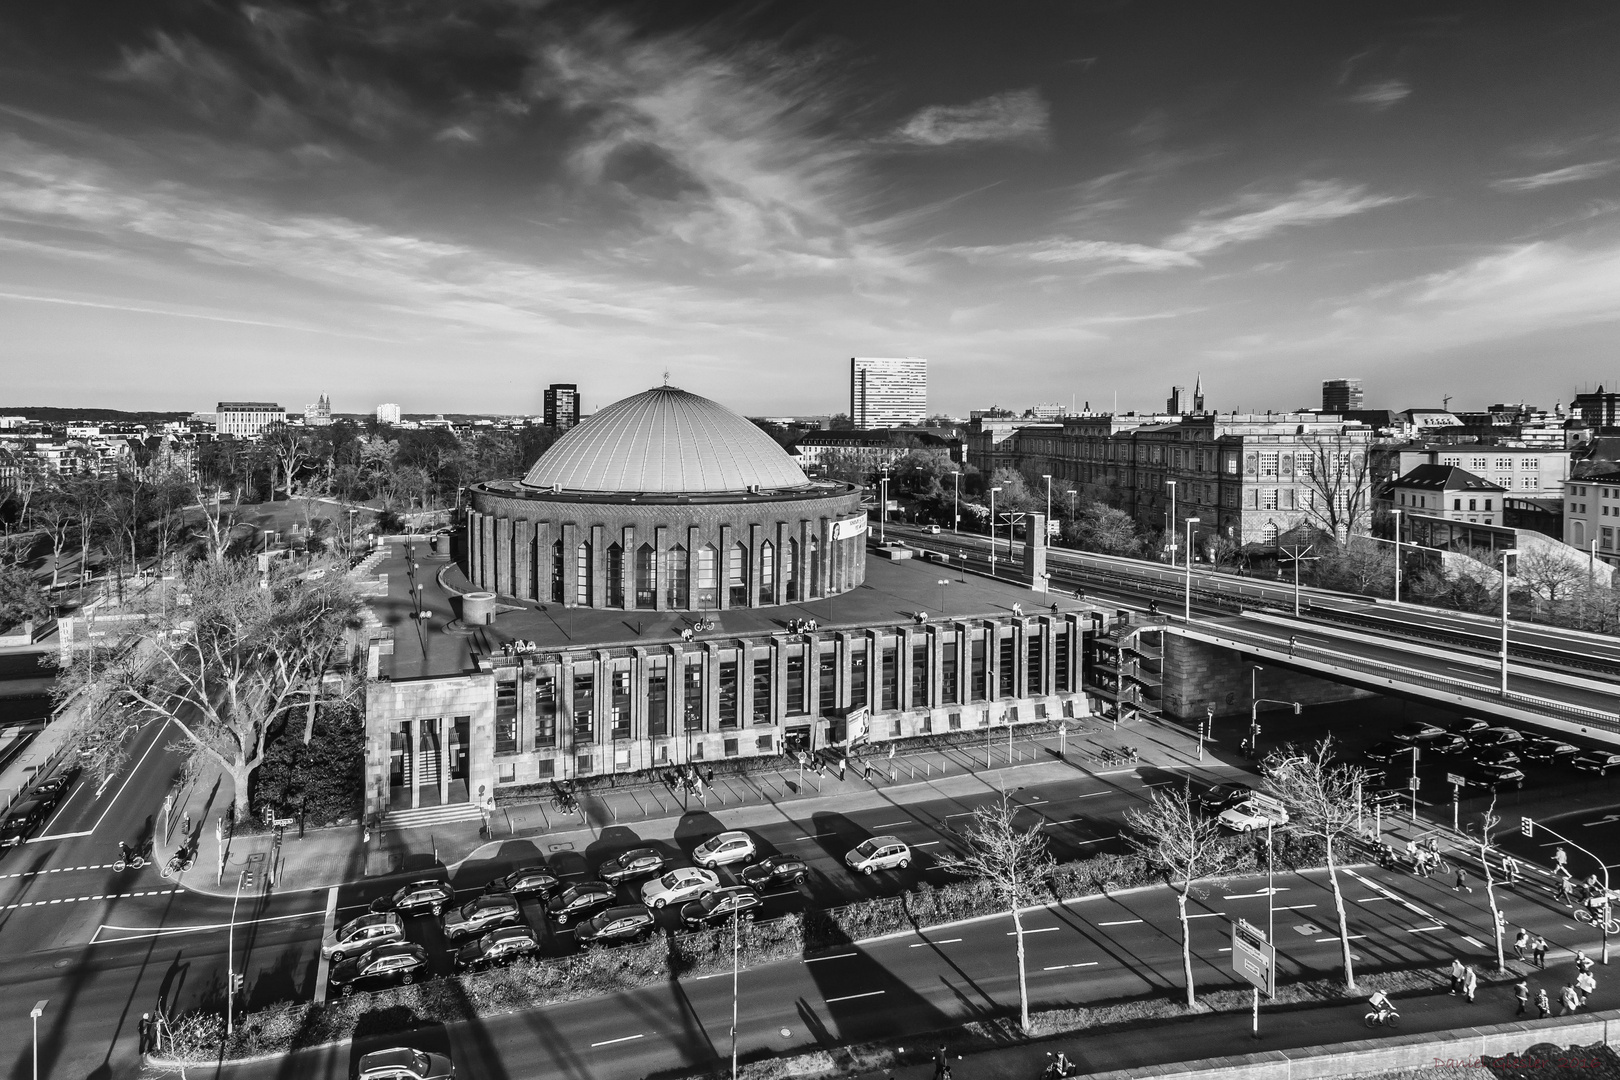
(665, 501)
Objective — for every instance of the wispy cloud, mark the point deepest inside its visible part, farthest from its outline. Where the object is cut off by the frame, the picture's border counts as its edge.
(1380, 95)
(1015, 116)
(1255, 217)
(170, 313)
(1570, 174)
(1064, 250)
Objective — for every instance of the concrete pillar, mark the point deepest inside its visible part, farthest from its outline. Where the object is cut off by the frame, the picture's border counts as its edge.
(412, 772)
(694, 541)
(780, 650)
(544, 537)
(486, 548)
(992, 660)
(565, 716)
(902, 669)
(523, 575)
(598, 566)
(503, 556)
(1035, 541)
(1048, 656)
(570, 563)
(936, 666)
(446, 728)
(628, 542)
(779, 592)
(1020, 628)
(660, 568)
(722, 597)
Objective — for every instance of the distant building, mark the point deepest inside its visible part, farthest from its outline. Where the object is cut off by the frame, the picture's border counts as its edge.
(1599, 409)
(247, 419)
(388, 413)
(320, 413)
(1340, 396)
(1445, 491)
(1592, 512)
(1525, 471)
(562, 406)
(1178, 403)
(887, 391)
(870, 450)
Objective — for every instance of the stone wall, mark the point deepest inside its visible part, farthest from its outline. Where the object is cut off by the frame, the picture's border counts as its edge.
(1197, 674)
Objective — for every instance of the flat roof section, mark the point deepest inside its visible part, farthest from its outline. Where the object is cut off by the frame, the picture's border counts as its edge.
(894, 592)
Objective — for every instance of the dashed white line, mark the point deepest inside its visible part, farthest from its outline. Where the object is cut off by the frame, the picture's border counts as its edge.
(1063, 967)
(1335, 937)
(852, 997)
(1423, 929)
(1120, 922)
(1203, 915)
(1252, 895)
(1296, 907)
(1036, 930)
(926, 843)
(814, 836)
(621, 1039)
(835, 956)
(1475, 942)
(892, 824)
(947, 941)
(1370, 899)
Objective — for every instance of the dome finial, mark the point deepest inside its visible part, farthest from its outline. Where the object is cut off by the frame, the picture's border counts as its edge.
(666, 376)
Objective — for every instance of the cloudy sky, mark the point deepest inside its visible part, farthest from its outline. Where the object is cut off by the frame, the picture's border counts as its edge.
(449, 204)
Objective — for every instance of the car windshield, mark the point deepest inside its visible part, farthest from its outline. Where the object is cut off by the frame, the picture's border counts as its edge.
(866, 849)
(671, 880)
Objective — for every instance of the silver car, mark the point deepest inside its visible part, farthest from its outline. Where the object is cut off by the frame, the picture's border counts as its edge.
(879, 853)
(728, 847)
(359, 936)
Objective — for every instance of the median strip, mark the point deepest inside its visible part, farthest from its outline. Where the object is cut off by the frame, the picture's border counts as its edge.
(1120, 922)
(1036, 930)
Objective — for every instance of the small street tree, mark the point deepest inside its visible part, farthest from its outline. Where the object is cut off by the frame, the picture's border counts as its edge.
(1338, 481)
(1014, 863)
(1171, 834)
(1321, 799)
(1488, 821)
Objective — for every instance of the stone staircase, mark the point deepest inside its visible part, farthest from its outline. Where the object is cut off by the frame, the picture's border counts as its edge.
(428, 816)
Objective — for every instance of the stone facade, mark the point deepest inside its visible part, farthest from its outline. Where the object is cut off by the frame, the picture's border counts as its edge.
(1197, 675)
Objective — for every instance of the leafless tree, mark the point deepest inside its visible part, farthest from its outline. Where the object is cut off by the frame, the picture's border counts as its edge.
(226, 665)
(1488, 821)
(1551, 576)
(218, 523)
(1173, 835)
(1013, 862)
(1338, 484)
(1322, 803)
(289, 449)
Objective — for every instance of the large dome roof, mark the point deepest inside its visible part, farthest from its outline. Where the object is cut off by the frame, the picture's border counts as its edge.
(665, 441)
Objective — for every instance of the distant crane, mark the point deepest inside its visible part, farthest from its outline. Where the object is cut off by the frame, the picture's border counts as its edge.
(1445, 403)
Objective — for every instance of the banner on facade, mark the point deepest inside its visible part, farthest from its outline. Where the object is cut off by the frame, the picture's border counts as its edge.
(858, 726)
(849, 528)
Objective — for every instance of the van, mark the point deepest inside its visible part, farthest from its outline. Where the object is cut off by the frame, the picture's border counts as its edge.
(1258, 811)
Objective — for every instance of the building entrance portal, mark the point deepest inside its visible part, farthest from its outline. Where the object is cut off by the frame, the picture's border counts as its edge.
(427, 763)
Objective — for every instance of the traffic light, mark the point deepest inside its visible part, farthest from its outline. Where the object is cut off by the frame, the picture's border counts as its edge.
(238, 983)
(1526, 826)
(1257, 731)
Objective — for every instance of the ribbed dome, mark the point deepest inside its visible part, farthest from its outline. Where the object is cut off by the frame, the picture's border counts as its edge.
(665, 441)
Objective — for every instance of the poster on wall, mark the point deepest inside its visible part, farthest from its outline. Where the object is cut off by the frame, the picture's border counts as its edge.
(858, 727)
(849, 528)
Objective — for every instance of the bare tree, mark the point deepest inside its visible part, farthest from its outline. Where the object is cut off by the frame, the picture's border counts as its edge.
(1322, 803)
(1173, 835)
(1550, 575)
(1014, 863)
(1488, 821)
(227, 665)
(1337, 474)
(289, 450)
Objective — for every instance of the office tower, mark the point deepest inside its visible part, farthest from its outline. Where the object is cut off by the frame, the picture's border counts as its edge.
(887, 391)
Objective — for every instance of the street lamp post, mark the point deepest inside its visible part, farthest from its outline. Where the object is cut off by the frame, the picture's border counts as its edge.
(1048, 478)
(230, 960)
(1505, 552)
(34, 1015)
(1397, 515)
(1187, 609)
(1601, 866)
(1412, 787)
(883, 501)
(993, 530)
(735, 933)
(956, 501)
(1170, 521)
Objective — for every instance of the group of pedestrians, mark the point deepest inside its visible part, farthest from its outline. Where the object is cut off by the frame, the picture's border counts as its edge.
(1532, 947)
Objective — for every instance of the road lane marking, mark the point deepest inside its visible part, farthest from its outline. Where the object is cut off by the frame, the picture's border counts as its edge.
(1064, 967)
(1200, 915)
(1296, 907)
(322, 964)
(57, 870)
(1370, 899)
(813, 836)
(1118, 922)
(926, 843)
(1424, 929)
(1037, 930)
(1335, 937)
(136, 933)
(893, 824)
(835, 956)
(1252, 895)
(1092, 794)
(114, 800)
(1065, 821)
(621, 1039)
(947, 941)
(76, 899)
(852, 997)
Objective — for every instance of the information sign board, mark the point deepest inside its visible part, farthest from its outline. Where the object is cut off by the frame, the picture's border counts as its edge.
(1253, 957)
(1453, 778)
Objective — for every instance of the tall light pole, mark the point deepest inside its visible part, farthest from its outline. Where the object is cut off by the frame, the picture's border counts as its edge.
(734, 968)
(1048, 478)
(1170, 526)
(1412, 786)
(1505, 552)
(1397, 516)
(1073, 493)
(230, 960)
(993, 530)
(956, 501)
(1187, 611)
(883, 501)
(34, 1015)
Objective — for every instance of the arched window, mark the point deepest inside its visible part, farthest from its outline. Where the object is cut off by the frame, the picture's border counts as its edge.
(615, 576)
(815, 568)
(556, 590)
(582, 575)
(767, 573)
(790, 571)
(1268, 535)
(646, 577)
(737, 575)
(677, 594)
(708, 577)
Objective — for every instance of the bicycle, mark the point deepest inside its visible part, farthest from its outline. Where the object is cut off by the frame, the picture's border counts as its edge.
(1586, 915)
(129, 858)
(1381, 1018)
(178, 863)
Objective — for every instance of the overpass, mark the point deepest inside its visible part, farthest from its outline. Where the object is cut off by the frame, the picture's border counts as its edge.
(1559, 680)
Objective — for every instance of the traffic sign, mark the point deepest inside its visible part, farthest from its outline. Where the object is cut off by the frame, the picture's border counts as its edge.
(1253, 957)
(1527, 827)
(1453, 778)
(1414, 782)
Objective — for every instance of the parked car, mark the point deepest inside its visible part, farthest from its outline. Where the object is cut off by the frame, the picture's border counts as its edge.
(403, 1063)
(20, 824)
(1546, 749)
(428, 897)
(358, 936)
(720, 904)
(1218, 797)
(1497, 736)
(526, 881)
(879, 853)
(1417, 729)
(1494, 777)
(637, 862)
(1372, 777)
(52, 790)
(616, 925)
(382, 967)
(477, 916)
(776, 870)
(1443, 742)
(679, 886)
(1598, 761)
(1255, 812)
(725, 849)
(1495, 755)
(1386, 751)
(499, 946)
(578, 901)
(1466, 726)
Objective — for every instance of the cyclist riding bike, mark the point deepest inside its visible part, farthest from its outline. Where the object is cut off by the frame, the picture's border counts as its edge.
(124, 852)
(1381, 1004)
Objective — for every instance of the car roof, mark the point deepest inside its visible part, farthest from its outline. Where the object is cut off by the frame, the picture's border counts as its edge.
(729, 834)
(624, 911)
(394, 1058)
(884, 841)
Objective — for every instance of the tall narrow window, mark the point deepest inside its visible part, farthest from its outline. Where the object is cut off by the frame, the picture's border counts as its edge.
(827, 678)
(620, 704)
(857, 677)
(790, 571)
(727, 693)
(1060, 660)
(795, 684)
(615, 576)
(1033, 668)
(947, 672)
(815, 569)
(506, 713)
(584, 706)
(761, 709)
(557, 572)
(545, 710)
(692, 694)
(979, 675)
(678, 594)
(919, 676)
(1005, 656)
(658, 696)
(646, 577)
(737, 576)
(889, 696)
(708, 577)
(582, 573)
(767, 573)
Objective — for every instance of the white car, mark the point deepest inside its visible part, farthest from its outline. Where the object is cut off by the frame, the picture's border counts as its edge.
(722, 850)
(879, 853)
(1255, 812)
(679, 886)
(360, 936)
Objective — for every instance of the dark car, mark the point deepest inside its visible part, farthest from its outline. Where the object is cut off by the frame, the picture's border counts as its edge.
(1443, 742)
(1496, 736)
(720, 904)
(417, 898)
(616, 925)
(53, 790)
(382, 967)
(1219, 797)
(637, 862)
(403, 1063)
(20, 824)
(1414, 731)
(577, 901)
(477, 916)
(776, 870)
(1545, 749)
(1372, 777)
(500, 946)
(1466, 726)
(1387, 751)
(526, 881)
(1495, 755)
(1493, 777)
(1598, 761)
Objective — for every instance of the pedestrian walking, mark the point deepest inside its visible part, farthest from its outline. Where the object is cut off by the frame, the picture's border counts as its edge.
(1521, 941)
(1457, 970)
(1292, 643)
(1565, 894)
(1470, 983)
(1538, 946)
(843, 763)
(1462, 882)
(1585, 982)
(1510, 869)
(1568, 1000)
(1543, 1006)
(1561, 862)
(1521, 990)
(942, 1066)
(1583, 963)
(146, 1033)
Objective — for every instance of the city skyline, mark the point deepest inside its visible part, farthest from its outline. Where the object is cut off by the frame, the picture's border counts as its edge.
(259, 204)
